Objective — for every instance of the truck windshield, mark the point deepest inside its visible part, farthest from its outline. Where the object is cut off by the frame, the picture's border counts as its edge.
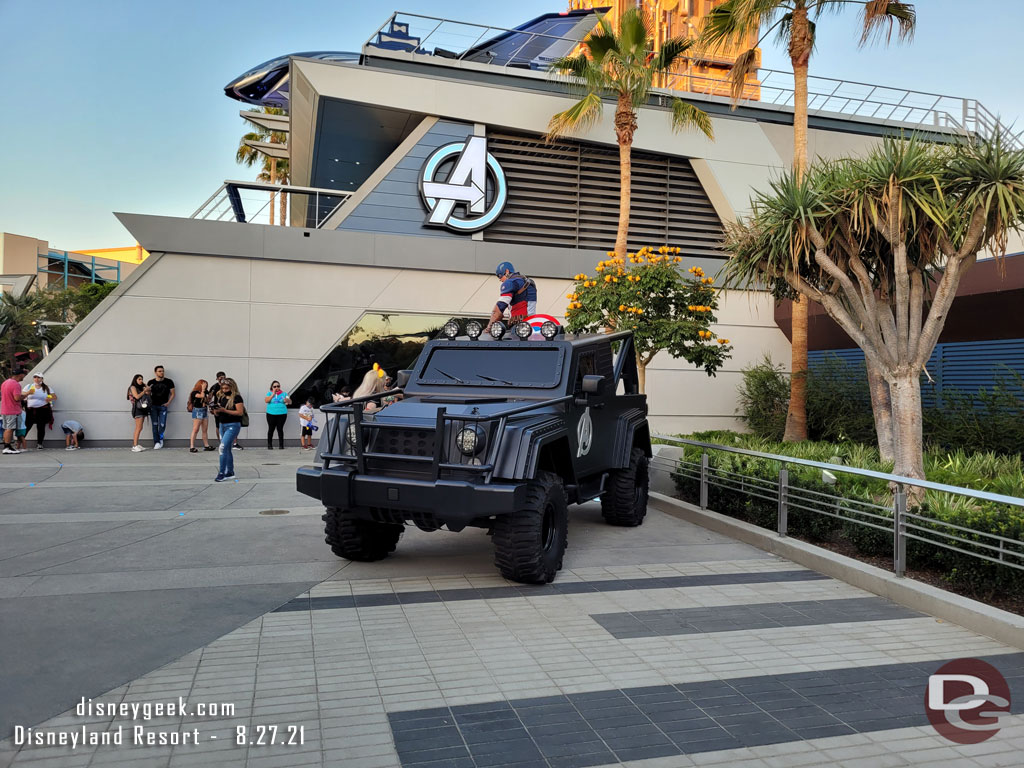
(510, 366)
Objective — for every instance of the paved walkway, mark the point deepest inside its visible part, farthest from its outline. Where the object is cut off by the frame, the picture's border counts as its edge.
(133, 580)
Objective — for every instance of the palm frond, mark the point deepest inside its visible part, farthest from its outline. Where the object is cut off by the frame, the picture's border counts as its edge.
(880, 16)
(634, 32)
(745, 64)
(686, 116)
(581, 116)
(670, 51)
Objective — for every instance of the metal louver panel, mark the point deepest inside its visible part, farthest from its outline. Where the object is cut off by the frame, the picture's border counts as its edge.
(567, 194)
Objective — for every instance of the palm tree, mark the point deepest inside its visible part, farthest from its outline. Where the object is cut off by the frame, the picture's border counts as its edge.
(250, 155)
(622, 66)
(732, 23)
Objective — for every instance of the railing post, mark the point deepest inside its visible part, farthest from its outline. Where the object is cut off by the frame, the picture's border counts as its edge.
(704, 479)
(899, 540)
(783, 500)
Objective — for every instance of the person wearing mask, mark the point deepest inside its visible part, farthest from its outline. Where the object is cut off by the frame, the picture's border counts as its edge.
(161, 389)
(277, 401)
(198, 406)
(141, 400)
(518, 294)
(10, 407)
(231, 408)
(39, 398)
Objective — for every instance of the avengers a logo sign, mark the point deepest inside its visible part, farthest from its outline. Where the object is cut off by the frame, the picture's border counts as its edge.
(462, 186)
(965, 700)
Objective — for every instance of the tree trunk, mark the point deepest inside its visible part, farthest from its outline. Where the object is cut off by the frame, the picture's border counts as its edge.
(799, 54)
(796, 416)
(625, 126)
(905, 391)
(273, 180)
(284, 209)
(881, 408)
(641, 375)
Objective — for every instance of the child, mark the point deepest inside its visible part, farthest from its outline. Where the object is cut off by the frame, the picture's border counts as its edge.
(73, 432)
(21, 431)
(307, 420)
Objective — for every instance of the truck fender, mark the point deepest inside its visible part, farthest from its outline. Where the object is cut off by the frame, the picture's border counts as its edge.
(632, 430)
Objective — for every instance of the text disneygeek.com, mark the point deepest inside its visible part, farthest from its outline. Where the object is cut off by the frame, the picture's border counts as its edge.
(108, 733)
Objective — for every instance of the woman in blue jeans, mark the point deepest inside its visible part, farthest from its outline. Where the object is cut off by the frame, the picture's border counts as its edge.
(229, 409)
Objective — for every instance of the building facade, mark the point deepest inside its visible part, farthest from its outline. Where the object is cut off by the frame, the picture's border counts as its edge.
(416, 167)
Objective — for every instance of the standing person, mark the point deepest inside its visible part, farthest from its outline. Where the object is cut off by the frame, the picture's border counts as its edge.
(39, 399)
(10, 407)
(231, 408)
(161, 389)
(277, 401)
(73, 432)
(518, 295)
(198, 406)
(307, 420)
(141, 400)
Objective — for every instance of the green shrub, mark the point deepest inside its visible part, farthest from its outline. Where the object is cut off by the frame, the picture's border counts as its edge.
(839, 402)
(753, 498)
(764, 399)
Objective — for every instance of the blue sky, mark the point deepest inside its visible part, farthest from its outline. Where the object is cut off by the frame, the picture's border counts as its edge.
(118, 105)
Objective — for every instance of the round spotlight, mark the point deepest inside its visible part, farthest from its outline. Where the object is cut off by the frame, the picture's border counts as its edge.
(498, 330)
(471, 440)
(523, 330)
(549, 330)
(474, 329)
(451, 329)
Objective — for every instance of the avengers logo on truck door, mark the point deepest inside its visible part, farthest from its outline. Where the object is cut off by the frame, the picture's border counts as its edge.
(460, 201)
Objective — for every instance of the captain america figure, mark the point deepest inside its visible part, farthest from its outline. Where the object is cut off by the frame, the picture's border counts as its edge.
(518, 295)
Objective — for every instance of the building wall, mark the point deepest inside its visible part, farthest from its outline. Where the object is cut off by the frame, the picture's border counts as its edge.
(19, 255)
(263, 319)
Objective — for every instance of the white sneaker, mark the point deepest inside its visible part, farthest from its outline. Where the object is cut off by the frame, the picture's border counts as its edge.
(69, 448)
(11, 450)
(158, 446)
(137, 448)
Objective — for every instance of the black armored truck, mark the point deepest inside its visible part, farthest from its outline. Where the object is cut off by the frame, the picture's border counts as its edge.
(499, 431)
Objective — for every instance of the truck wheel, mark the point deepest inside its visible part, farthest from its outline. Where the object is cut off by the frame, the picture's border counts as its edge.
(624, 500)
(529, 543)
(362, 540)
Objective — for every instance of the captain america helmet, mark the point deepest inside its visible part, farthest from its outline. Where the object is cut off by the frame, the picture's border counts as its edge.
(504, 267)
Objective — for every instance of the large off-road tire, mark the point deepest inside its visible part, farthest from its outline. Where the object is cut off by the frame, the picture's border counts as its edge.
(361, 540)
(530, 542)
(624, 500)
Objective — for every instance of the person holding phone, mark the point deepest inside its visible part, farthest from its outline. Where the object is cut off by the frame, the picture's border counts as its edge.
(198, 406)
(139, 397)
(39, 398)
(230, 408)
(277, 401)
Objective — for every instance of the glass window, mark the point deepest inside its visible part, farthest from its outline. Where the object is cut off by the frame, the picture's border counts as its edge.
(524, 366)
(391, 340)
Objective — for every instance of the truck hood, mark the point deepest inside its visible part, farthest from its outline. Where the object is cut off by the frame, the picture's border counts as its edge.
(425, 409)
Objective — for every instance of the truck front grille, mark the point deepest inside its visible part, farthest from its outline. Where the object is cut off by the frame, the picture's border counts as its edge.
(404, 442)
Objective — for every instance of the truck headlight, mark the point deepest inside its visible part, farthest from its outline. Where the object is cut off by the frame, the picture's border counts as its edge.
(474, 329)
(498, 330)
(471, 440)
(451, 329)
(523, 330)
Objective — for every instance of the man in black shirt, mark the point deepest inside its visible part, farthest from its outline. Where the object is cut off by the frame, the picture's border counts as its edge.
(161, 390)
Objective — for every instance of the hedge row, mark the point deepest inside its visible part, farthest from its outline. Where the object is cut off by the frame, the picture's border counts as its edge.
(814, 514)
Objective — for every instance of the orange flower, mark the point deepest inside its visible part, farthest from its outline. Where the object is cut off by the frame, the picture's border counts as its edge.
(622, 307)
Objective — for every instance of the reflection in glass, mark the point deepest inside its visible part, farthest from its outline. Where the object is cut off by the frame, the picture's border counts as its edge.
(391, 340)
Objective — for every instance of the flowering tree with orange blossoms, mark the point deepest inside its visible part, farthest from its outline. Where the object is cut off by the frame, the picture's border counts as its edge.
(647, 293)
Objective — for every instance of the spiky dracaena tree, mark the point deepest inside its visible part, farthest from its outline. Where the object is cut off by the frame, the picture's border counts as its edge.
(882, 242)
(621, 65)
(272, 170)
(734, 22)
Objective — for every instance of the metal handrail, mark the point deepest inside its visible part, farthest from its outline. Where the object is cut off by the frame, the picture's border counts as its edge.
(996, 498)
(905, 524)
(226, 200)
(825, 95)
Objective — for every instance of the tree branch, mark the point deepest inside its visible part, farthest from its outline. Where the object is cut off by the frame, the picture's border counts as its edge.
(944, 295)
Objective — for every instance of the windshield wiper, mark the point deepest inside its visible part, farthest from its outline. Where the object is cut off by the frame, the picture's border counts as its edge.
(453, 378)
(491, 378)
